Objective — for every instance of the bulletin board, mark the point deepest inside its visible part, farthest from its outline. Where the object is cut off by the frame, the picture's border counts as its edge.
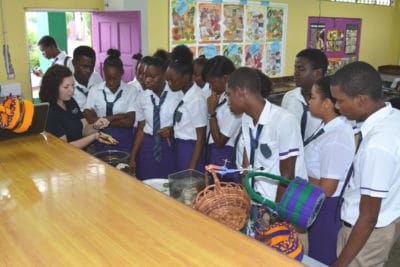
(251, 34)
(339, 38)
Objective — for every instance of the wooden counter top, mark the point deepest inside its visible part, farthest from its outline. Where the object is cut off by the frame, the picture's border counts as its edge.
(62, 207)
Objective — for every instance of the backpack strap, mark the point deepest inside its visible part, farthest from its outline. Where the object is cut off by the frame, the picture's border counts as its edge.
(66, 60)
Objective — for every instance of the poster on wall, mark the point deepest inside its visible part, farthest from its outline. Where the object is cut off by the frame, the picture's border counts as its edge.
(339, 38)
(248, 33)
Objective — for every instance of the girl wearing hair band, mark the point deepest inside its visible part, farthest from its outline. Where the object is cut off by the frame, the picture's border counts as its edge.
(153, 156)
(328, 155)
(190, 115)
(114, 100)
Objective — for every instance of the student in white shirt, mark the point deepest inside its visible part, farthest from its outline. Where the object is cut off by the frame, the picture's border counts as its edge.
(271, 135)
(48, 46)
(328, 155)
(241, 154)
(152, 155)
(370, 210)
(84, 75)
(114, 100)
(310, 65)
(190, 115)
(223, 125)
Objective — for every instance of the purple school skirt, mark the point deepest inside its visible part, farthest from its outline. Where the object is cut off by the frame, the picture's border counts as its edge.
(218, 156)
(123, 135)
(147, 167)
(183, 152)
(322, 234)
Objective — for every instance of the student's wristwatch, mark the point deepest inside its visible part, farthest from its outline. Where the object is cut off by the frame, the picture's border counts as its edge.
(210, 116)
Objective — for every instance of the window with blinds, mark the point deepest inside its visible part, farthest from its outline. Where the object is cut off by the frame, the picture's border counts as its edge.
(369, 2)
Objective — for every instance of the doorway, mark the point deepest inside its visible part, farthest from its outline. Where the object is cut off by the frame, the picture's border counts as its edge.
(101, 30)
(70, 29)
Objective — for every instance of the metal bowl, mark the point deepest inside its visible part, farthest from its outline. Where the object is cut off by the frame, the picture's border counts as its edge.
(112, 157)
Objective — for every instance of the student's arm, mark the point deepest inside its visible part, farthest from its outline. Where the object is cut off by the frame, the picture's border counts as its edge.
(84, 141)
(327, 184)
(136, 146)
(89, 129)
(198, 148)
(90, 115)
(220, 140)
(124, 120)
(369, 210)
(287, 168)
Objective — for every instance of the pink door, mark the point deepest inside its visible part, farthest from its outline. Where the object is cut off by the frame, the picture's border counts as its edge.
(119, 30)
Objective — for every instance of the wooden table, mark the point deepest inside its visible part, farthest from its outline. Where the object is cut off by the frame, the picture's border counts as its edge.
(62, 207)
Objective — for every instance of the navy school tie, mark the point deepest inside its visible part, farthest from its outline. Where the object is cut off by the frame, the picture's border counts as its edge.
(80, 89)
(253, 146)
(303, 122)
(110, 105)
(348, 176)
(314, 136)
(156, 125)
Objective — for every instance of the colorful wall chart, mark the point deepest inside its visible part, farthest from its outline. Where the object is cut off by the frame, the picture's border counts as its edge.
(339, 38)
(249, 33)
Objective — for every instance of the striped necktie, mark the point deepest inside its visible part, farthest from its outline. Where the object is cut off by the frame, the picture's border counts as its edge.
(157, 125)
(110, 105)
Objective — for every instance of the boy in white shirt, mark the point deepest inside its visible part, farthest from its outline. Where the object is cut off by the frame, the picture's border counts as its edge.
(310, 65)
(370, 212)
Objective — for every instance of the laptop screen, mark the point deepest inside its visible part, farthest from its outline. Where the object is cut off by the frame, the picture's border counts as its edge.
(38, 123)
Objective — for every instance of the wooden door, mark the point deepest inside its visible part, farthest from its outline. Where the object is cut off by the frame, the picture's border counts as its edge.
(119, 30)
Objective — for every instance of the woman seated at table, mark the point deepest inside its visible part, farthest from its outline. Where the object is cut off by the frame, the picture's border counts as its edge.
(65, 120)
(114, 100)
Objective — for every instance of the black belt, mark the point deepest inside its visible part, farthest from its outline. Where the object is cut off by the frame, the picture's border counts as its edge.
(348, 225)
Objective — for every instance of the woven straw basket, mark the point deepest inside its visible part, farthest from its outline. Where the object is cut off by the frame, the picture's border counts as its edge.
(225, 202)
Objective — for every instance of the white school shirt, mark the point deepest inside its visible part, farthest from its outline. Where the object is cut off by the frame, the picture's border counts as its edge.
(376, 168)
(330, 155)
(292, 101)
(80, 97)
(282, 134)
(228, 123)
(60, 58)
(124, 104)
(144, 108)
(194, 114)
(135, 83)
(206, 89)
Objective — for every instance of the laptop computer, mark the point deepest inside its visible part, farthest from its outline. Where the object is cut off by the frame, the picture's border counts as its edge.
(38, 123)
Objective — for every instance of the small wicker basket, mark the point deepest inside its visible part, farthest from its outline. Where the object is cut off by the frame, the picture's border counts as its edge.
(225, 202)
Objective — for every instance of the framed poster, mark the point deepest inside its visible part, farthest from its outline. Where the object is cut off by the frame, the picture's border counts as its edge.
(249, 33)
(339, 38)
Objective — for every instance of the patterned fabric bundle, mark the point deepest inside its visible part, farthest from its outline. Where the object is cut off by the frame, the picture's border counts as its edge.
(281, 236)
(16, 114)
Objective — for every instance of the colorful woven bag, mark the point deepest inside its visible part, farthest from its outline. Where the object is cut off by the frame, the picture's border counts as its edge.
(300, 203)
